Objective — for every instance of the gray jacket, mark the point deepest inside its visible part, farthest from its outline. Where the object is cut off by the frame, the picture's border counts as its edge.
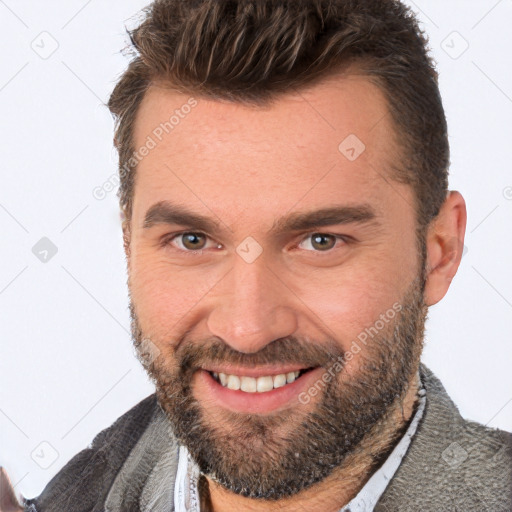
(452, 464)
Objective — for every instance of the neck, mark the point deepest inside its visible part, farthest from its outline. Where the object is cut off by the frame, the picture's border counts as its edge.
(335, 491)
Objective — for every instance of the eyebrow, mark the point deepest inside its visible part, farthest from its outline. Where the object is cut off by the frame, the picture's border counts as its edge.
(165, 212)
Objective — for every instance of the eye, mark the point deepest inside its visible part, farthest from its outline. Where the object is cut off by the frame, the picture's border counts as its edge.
(322, 242)
(189, 241)
(195, 242)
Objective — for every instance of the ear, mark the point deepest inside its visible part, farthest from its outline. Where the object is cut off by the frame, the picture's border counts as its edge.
(126, 235)
(445, 246)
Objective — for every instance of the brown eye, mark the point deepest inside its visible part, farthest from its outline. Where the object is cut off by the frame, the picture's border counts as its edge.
(192, 241)
(321, 242)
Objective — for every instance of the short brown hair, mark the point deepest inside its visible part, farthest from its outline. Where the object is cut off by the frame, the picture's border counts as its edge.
(250, 51)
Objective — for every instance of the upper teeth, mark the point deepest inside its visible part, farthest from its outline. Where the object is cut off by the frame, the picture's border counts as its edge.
(253, 385)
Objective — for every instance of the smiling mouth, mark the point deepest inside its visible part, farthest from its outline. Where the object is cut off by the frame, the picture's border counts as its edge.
(261, 384)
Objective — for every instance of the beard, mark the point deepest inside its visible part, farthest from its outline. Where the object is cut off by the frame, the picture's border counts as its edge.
(275, 456)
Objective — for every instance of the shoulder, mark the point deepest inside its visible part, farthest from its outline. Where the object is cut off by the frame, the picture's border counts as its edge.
(452, 463)
(483, 456)
(128, 427)
(86, 479)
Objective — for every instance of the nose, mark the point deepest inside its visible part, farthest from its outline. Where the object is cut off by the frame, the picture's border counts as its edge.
(253, 307)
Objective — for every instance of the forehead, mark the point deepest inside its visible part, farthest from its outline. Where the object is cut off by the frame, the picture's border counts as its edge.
(332, 143)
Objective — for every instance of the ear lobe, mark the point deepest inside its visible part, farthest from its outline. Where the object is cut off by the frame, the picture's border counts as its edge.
(445, 247)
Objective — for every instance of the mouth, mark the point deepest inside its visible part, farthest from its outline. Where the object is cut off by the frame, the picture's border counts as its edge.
(261, 384)
(263, 392)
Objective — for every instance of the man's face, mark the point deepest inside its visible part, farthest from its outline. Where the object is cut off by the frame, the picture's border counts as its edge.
(261, 297)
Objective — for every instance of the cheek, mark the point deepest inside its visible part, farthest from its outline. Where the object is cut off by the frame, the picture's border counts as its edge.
(167, 297)
(353, 299)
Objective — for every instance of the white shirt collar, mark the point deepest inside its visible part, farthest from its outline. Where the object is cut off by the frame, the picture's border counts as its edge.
(186, 496)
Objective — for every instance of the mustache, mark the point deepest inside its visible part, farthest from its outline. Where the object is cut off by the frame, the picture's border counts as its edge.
(191, 356)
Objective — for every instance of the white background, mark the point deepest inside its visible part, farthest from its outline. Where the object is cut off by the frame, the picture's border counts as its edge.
(67, 367)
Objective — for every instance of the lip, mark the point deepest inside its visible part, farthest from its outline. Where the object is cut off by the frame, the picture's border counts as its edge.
(257, 403)
(254, 372)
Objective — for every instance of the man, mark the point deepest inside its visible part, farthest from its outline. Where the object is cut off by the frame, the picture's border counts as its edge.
(300, 149)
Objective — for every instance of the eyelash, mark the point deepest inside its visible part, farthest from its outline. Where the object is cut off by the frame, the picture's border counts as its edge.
(169, 238)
